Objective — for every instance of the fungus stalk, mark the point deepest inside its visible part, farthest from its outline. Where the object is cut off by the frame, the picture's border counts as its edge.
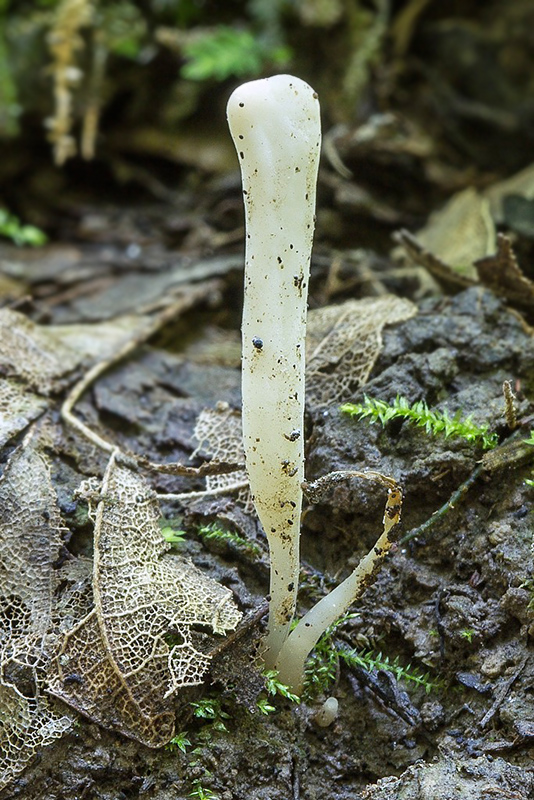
(303, 638)
(275, 126)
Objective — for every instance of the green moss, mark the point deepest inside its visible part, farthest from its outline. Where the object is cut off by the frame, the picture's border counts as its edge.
(324, 663)
(12, 228)
(434, 422)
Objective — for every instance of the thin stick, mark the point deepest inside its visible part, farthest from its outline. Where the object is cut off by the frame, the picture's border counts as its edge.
(450, 504)
(207, 469)
(231, 487)
(315, 489)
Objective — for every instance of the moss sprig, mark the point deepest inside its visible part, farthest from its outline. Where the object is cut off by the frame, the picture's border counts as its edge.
(434, 422)
(215, 532)
(323, 665)
(377, 661)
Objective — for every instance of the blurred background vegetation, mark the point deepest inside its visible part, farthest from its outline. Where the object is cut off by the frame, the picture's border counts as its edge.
(126, 99)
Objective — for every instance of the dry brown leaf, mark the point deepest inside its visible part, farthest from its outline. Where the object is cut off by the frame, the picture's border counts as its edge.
(460, 232)
(442, 272)
(501, 273)
(48, 358)
(521, 184)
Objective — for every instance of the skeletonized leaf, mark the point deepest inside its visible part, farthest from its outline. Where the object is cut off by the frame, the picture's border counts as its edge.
(29, 545)
(18, 407)
(30, 542)
(343, 344)
(219, 432)
(136, 648)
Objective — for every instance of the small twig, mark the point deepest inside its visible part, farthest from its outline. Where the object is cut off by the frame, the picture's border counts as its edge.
(207, 469)
(295, 779)
(388, 692)
(450, 504)
(232, 487)
(509, 405)
(501, 693)
(511, 453)
(250, 621)
(315, 489)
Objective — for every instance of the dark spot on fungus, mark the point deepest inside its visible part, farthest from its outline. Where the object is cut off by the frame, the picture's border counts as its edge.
(293, 436)
(240, 136)
(257, 343)
(290, 587)
(241, 105)
(241, 154)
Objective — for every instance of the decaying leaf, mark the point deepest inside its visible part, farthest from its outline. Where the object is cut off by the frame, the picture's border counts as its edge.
(29, 546)
(18, 407)
(30, 542)
(460, 232)
(26, 725)
(498, 271)
(521, 184)
(453, 238)
(48, 357)
(442, 272)
(343, 344)
(219, 432)
(136, 647)
(501, 273)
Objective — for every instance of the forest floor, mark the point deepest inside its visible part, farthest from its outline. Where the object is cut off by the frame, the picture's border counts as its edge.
(123, 331)
(441, 706)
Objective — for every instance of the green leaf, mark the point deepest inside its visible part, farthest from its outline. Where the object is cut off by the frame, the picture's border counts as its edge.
(12, 228)
(221, 53)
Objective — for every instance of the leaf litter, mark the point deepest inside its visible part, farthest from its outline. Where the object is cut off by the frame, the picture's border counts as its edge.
(118, 647)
